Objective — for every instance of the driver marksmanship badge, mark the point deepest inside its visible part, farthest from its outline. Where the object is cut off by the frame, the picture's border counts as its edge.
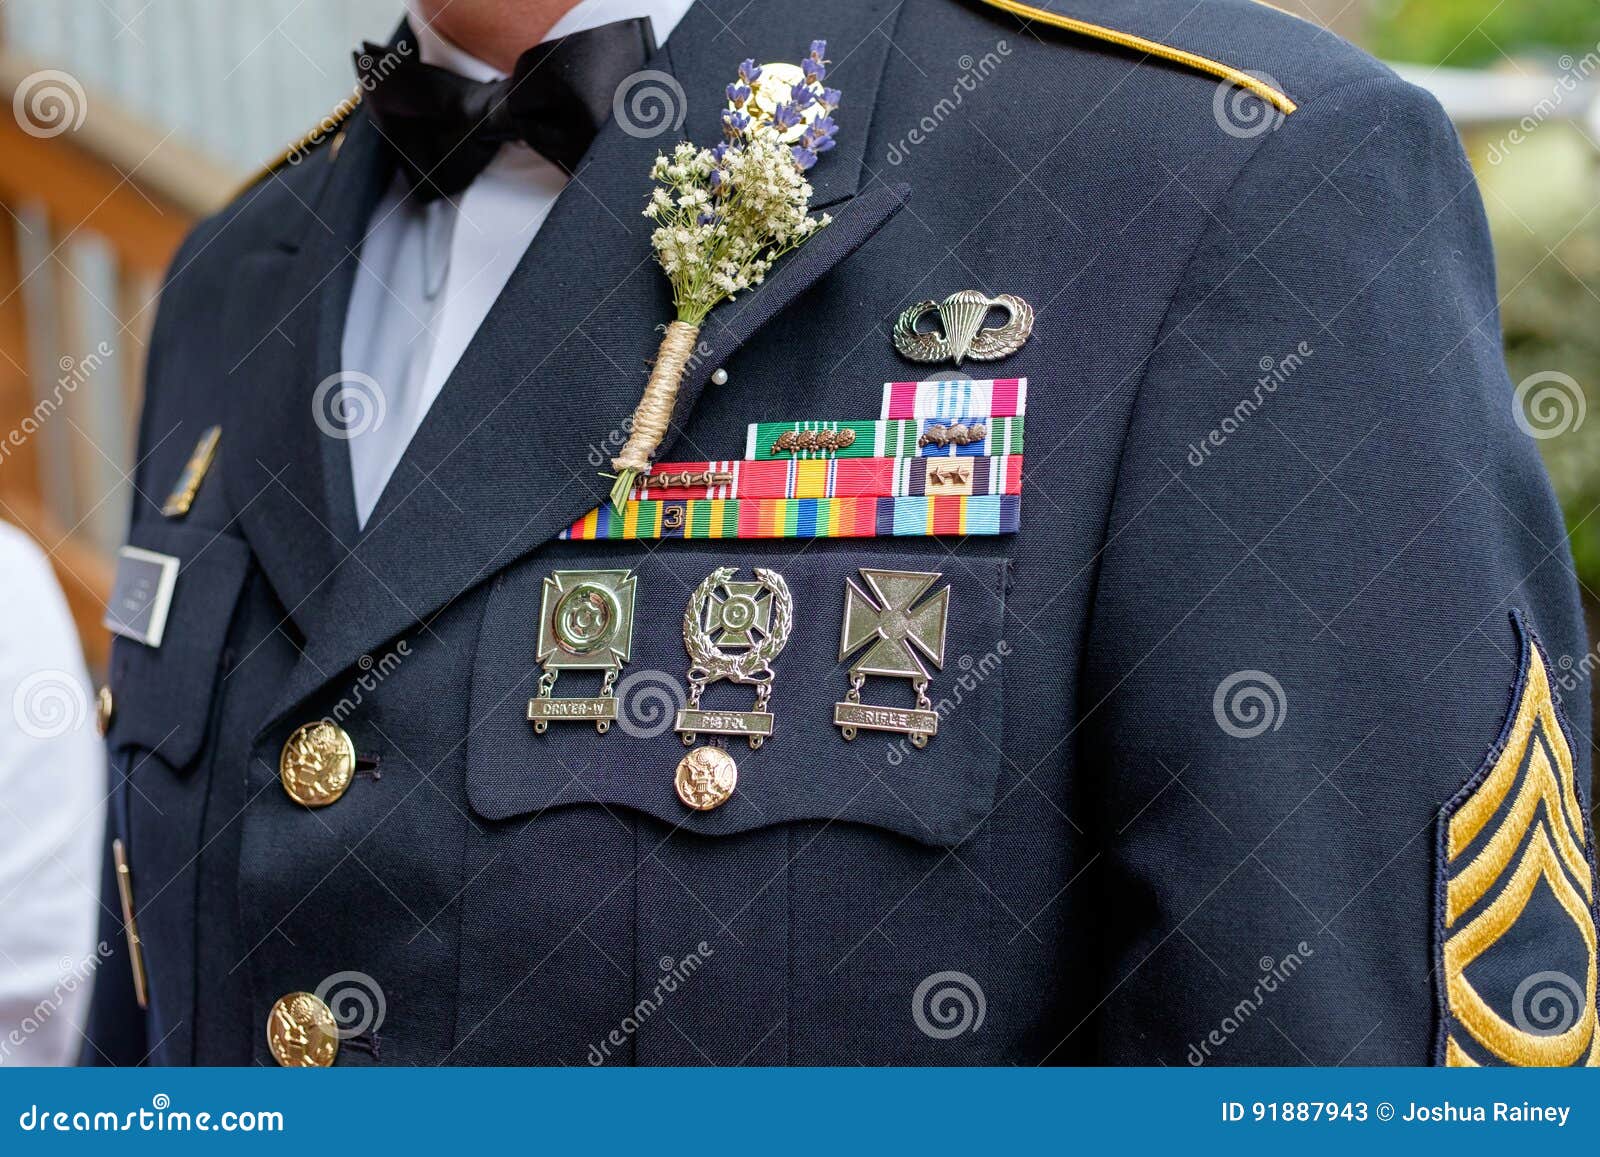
(585, 624)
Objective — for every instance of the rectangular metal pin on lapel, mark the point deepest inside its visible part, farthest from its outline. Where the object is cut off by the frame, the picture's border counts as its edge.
(194, 472)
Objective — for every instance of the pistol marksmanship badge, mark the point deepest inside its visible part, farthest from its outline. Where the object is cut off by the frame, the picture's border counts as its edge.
(961, 318)
(888, 617)
(585, 624)
(752, 621)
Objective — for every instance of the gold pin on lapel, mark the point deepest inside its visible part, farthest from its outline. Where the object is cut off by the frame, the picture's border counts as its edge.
(130, 926)
(194, 473)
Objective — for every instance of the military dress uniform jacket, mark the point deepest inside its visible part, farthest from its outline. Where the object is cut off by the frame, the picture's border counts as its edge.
(1265, 739)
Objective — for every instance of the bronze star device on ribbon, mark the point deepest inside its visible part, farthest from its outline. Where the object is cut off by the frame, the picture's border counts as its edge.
(724, 215)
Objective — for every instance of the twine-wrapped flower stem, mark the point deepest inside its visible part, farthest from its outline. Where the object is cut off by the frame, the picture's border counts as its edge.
(654, 411)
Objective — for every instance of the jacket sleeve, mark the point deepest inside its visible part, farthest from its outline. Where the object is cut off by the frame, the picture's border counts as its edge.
(1332, 557)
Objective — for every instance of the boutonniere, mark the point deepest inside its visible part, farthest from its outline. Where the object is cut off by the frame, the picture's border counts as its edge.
(724, 215)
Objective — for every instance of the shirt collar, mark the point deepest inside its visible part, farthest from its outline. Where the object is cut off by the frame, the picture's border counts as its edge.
(433, 48)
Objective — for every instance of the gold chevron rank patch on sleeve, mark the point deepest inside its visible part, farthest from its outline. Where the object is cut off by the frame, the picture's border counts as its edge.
(1515, 894)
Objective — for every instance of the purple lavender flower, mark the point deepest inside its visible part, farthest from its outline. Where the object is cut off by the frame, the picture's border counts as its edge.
(707, 217)
(749, 73)
(819, 135)
(803, 157)
(786, 116)
(738, 94)
(803, 98)
(815, 70)
(735, 123)
(819, 50)
(830, 98)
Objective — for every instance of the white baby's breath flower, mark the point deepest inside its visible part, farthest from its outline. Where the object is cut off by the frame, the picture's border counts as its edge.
(724, 218)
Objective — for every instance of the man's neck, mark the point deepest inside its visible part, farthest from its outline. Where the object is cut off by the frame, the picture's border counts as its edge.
(494, 31)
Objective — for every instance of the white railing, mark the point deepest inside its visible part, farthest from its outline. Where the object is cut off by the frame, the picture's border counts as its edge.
(237, 79)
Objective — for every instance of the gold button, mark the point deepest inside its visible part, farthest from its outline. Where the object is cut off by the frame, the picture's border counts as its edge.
(706, 778)
(317, 763)
(104, 706)
(302, 1033)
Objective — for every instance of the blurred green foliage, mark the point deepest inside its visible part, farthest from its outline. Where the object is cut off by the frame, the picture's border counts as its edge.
(1549, 270)
(1550, 319)
(1480, 33)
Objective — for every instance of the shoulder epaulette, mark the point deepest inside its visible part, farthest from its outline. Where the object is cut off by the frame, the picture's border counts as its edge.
(329, 128)
(1155, 48)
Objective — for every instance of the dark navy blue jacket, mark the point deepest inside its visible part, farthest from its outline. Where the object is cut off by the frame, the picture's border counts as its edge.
(1209, 715)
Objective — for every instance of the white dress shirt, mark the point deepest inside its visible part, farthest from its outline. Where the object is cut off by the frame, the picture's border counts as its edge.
(429, 273)
(52, 816)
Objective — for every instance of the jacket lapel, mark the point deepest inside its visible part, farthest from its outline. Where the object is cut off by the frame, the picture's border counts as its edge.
(511, 451)
(286, 480)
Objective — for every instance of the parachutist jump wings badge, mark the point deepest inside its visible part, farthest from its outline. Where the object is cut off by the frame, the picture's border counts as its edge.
(894, 634)
(961, 318)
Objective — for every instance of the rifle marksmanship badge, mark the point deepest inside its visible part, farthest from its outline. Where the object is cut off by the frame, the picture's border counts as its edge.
(585, 624)
(889, 627)
(733, 630)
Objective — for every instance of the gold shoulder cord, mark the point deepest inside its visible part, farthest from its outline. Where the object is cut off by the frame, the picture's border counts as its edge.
(1151, 47)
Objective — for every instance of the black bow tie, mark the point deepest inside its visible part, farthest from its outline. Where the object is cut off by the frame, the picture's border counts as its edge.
(446, 128)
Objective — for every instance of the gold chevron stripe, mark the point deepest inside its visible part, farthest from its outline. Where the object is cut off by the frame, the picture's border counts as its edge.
(1533, 770)
(1155, 48)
